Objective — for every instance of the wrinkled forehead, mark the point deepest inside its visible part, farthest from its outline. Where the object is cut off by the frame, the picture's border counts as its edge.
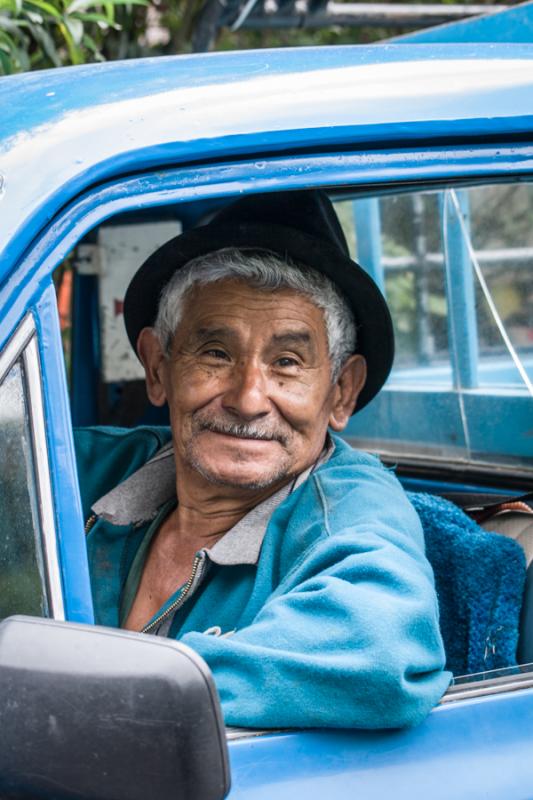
(237, 307)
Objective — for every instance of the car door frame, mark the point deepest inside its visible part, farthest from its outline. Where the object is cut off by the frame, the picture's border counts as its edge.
(453, 729)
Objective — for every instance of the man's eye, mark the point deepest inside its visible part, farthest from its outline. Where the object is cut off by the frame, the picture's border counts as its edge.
(287, 361)
(214, 352)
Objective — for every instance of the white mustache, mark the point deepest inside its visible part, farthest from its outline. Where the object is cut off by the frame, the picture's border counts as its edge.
(241, 430)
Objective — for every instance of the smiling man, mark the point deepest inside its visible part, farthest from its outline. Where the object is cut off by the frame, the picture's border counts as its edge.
(292, 563)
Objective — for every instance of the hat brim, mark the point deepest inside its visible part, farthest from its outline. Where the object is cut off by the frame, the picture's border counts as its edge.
(375, 338)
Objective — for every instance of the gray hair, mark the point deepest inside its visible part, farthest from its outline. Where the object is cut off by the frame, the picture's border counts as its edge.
(265, 271)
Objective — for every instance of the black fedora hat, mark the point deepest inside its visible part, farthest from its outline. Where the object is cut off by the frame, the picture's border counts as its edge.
(301, 225)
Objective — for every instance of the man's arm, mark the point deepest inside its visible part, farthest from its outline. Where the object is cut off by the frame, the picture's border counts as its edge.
(351, 637)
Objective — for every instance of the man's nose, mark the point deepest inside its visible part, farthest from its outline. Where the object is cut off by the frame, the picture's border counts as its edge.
(247, 393)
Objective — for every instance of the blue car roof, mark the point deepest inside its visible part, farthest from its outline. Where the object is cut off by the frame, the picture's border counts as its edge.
(63, 130)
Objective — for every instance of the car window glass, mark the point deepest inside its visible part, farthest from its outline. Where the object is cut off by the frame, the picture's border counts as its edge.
(455, 266)
(495, 230)
(22, 574)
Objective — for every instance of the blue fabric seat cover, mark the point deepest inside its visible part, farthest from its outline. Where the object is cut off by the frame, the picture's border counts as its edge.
(479, 577)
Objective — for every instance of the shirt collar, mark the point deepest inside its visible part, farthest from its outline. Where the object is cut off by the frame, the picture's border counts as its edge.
(242, 543)
(138, 499)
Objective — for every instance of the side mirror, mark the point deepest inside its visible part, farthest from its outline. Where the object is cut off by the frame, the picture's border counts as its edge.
(95, 713)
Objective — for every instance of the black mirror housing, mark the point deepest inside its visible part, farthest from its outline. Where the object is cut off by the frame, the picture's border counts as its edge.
(95, 713)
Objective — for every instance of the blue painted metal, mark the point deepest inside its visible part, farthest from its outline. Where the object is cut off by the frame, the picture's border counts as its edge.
(514, 25)
(462, 321)
(368, 234)
(69, 519)
(241, 103)
(364, 169)
(408, 416)
(498, 423)
(390, 102)
(475, 749)
(445, 487)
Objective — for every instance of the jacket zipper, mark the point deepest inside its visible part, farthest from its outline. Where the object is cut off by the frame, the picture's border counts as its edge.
(90, 522)
(179, 601)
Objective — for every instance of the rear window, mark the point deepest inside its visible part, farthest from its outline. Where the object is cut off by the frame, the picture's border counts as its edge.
(456, 268)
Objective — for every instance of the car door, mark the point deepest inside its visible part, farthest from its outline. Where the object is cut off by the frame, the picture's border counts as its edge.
(43, 561)
(442, 433)
(476, 743)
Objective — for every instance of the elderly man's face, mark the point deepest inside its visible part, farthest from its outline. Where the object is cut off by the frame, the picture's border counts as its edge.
(248, 384)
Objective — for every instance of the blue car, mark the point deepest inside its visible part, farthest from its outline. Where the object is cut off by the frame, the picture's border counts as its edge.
(427, 153)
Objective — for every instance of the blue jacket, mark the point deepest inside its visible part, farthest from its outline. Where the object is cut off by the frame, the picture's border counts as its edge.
(334, 624)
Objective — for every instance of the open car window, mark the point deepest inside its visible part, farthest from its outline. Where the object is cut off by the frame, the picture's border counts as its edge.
(454, 264)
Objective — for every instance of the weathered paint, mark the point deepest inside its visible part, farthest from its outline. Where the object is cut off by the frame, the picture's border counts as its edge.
(475, 749)
(104, 120)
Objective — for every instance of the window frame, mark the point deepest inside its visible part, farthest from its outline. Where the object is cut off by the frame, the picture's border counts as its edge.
(23, 344)
(414, 169)
(503, 681)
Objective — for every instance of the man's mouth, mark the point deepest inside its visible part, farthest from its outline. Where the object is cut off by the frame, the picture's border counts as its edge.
(242, 430)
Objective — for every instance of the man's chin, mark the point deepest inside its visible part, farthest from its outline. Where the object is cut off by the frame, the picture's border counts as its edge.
(239, 475)
(245, 485)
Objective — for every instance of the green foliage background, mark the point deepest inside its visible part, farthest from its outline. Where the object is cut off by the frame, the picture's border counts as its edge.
(37, 34)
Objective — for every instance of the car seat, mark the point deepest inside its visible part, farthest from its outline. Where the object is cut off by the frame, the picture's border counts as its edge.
(479, 578)
(517, 524)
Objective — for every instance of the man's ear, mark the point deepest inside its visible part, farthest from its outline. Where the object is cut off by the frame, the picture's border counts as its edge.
(154, 363)
(351, 380)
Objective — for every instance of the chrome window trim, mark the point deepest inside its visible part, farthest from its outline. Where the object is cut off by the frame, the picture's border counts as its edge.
(16, 345)
(24, 343)
(42, 465)
(233, 733)
(483, 689)
(467, 689)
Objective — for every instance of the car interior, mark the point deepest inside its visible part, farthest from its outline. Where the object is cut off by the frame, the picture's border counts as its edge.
(454, 419)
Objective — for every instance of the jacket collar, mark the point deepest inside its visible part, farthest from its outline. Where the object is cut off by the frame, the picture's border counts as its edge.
(137, 500)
